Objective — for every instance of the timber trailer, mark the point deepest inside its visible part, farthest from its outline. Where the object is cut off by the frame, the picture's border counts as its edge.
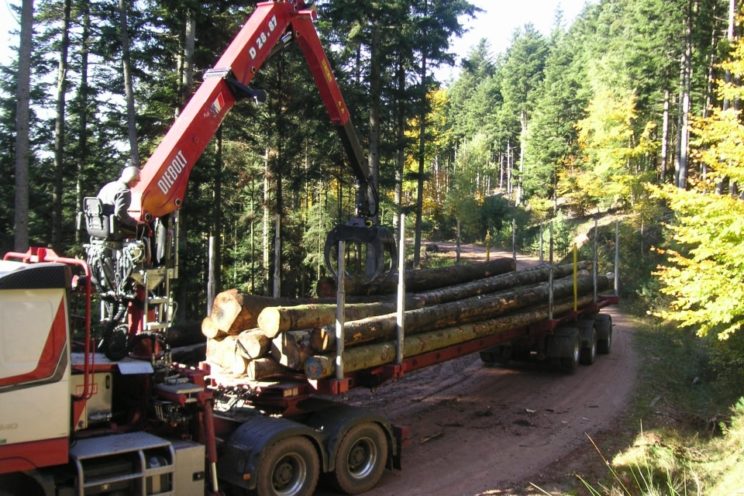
(73, 422)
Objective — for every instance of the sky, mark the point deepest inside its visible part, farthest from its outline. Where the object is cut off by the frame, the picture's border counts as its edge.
(497, 23)
(500, 19)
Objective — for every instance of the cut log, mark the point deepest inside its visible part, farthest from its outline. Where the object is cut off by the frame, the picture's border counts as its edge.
(221, 352)
(210, 329)
(510, 280)
(233, 311)
(253, 344)
(275, 320)
(322, 339)
(459, 312)
(184, 334)
(264, 368)
(374, 355)
(190, 354)
(427, 279)
(288, 350)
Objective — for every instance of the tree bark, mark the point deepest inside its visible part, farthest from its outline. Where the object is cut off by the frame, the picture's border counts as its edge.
(462, 311)
(686, 88)
(22, 148)
(423, 111)
(400, 155)
(275, 320)
(184, 334)
(264, 368)
(665, 139)
(493, 284)
(374, 355)
(128, 84)
(266, 231)
(82, 97)
(59, 129)
(187, 80)
(234, 312)
(428, 279)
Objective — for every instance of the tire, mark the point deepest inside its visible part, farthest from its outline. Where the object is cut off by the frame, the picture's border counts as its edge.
(361, 458)
(569, 349)
(499, 356)
(603, 326)
(289, 468)
(19, 485)
(588, 353)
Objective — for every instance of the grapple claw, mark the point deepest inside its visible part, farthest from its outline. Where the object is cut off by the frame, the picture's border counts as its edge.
(371, 251)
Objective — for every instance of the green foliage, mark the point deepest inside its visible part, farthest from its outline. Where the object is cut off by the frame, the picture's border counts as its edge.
(704, 271)
(691, 418)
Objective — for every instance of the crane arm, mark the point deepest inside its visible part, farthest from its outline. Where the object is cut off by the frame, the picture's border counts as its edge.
(164, 177)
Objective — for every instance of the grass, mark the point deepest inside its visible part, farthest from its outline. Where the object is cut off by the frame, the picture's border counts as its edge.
(686, 424)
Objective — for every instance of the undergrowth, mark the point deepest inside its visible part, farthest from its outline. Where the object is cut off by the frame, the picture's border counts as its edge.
(689, 419)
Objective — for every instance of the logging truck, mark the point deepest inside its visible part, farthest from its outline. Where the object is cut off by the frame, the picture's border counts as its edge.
(74, 422)
(102, 408)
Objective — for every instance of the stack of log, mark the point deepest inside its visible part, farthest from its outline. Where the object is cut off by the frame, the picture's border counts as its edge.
(259, 338)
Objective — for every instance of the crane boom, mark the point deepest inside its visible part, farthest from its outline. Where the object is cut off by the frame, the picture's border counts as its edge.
(165, 175)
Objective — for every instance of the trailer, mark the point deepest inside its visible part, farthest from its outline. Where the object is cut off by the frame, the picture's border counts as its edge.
(73, 422)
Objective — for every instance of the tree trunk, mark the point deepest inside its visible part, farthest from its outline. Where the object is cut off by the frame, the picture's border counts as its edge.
(522, 146)
(493, 284)
(286, 350)
(423, 112)
(684, 131)
(428, 279)
(266, 206)
(374, 355)
(22, 148)
(730, 37)
(216, 227)
(253, 344)
(276, 320)
(187, 80)
(665, 139)
(128, 84)
(464, 311)
(264, 368)
(82, 97)
(234, 312)
(400, 155)
(184, 334)
(375, 90)
(209, 328)
(59, 129)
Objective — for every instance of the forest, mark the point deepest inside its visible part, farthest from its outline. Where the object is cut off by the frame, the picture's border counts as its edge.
(633, 111)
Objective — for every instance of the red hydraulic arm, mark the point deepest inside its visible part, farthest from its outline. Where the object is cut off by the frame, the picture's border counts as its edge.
(165, 175)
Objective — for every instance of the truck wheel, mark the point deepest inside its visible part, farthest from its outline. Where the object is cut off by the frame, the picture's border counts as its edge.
(361, 458)
(569, 348)
(588, 353)
(603, 326)
(289, 468)
(499, 356)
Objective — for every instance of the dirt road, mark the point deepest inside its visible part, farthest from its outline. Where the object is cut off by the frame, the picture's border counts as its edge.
(480, 430)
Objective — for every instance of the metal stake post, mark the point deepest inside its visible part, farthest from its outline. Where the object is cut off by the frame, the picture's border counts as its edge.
(594, 261)
(401, 307)
(542, 244)
(340, 304)
(514, 240)
(617, 258)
